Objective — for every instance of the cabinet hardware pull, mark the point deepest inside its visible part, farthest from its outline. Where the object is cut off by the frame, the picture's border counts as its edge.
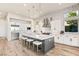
(70, 39)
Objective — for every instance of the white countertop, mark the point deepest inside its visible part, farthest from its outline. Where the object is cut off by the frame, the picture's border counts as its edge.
(36, 36)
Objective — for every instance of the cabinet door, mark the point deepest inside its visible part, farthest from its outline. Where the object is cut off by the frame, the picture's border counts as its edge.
(61, 39)
(49, 43)
(75, 42)
(57, 39)
(67, 41)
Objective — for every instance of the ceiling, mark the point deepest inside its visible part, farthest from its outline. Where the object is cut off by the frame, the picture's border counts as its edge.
(32, 10)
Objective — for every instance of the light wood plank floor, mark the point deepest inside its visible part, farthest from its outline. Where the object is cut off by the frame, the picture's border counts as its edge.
(15, 48)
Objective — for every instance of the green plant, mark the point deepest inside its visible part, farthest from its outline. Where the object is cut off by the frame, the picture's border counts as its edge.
(72, 14)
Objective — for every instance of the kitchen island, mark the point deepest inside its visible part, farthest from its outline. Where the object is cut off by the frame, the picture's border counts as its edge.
(47, 40)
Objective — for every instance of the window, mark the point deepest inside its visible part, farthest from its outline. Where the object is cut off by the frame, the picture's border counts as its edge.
(71, 26)
(71, 23)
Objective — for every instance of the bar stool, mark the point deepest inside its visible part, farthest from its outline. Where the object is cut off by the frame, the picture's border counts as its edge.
(24, 39)
(37, 43)
(29, 42)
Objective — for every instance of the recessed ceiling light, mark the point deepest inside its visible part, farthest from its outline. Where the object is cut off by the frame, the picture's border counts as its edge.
(33, 6)
(17, 12)
(24, 5)
(0, 12)
(59, 3)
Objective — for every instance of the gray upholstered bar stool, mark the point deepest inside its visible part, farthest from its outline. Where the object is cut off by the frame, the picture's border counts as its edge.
(29, 41)
(37, 43)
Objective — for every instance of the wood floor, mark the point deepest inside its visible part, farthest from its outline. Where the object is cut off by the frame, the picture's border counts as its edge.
(15, 48)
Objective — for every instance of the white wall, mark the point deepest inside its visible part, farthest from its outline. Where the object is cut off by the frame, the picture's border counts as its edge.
(2, 28)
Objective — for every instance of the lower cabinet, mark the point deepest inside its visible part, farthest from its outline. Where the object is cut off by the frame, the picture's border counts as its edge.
(67, 40)
(75, 42)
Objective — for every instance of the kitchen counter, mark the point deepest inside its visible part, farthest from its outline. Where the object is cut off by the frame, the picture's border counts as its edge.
(40, 37)
(47, 40)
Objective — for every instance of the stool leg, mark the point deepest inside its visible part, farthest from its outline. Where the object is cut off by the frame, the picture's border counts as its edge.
(37, 48)
(29, 44)
(26, 43)
(23, 42)
(33, 46)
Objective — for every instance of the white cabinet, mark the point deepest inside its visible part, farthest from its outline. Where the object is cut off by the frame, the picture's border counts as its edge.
(59, 39)
(14, 35)
(67, 40)
(72, 41)
(75, 42)
(56, 38)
